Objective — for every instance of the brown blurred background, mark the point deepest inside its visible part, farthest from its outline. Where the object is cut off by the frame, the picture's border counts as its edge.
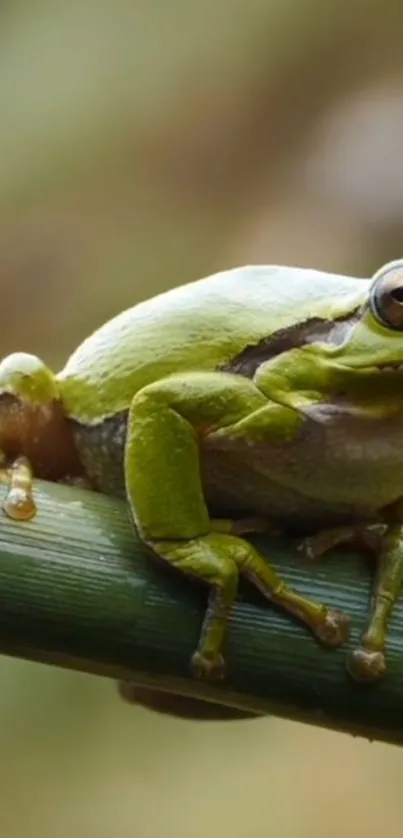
(143, 144)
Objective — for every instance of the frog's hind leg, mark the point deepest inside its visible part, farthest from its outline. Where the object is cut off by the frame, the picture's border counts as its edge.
(368, 661)
(163, 483)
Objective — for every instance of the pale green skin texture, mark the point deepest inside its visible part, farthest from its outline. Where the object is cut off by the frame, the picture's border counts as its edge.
(204, 444)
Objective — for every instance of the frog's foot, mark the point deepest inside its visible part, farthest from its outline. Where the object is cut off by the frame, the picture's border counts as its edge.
(365, 664)
(334, 628)
(208, 667)
(19, 503)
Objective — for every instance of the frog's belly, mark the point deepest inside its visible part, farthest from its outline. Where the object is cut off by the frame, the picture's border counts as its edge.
(339, 467)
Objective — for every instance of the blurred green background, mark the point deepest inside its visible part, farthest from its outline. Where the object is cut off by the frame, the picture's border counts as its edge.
(143, 144)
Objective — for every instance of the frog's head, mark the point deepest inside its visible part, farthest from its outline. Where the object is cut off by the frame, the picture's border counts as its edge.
(30, 409)
(370, 352)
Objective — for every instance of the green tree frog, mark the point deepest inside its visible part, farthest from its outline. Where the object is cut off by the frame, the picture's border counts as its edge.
(259, 393)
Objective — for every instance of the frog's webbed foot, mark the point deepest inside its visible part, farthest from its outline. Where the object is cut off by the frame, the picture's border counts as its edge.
(19, 502)
(368, 661)
(366, 664)
(208, 667)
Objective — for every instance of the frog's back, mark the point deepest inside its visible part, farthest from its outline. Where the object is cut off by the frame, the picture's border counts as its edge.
(198, 326)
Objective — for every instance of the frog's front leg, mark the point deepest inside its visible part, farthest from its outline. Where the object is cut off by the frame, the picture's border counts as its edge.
(368, 662)
(167, 420)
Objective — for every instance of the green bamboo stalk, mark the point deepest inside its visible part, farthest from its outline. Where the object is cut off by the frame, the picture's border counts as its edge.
(79, 590)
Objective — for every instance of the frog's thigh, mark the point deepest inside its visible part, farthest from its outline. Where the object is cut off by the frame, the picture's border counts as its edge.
(166, 420)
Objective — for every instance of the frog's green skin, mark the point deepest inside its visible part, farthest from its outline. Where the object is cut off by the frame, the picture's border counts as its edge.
(260, 391)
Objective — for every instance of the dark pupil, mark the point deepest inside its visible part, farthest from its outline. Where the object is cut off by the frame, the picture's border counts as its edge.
(397, 294)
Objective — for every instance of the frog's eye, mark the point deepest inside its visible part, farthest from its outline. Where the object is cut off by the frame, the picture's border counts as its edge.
(386, 296)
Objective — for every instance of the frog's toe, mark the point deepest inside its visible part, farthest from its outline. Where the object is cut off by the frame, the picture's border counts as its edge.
(311, 548)
(208, 667)
(366, 664)
(334, 628)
